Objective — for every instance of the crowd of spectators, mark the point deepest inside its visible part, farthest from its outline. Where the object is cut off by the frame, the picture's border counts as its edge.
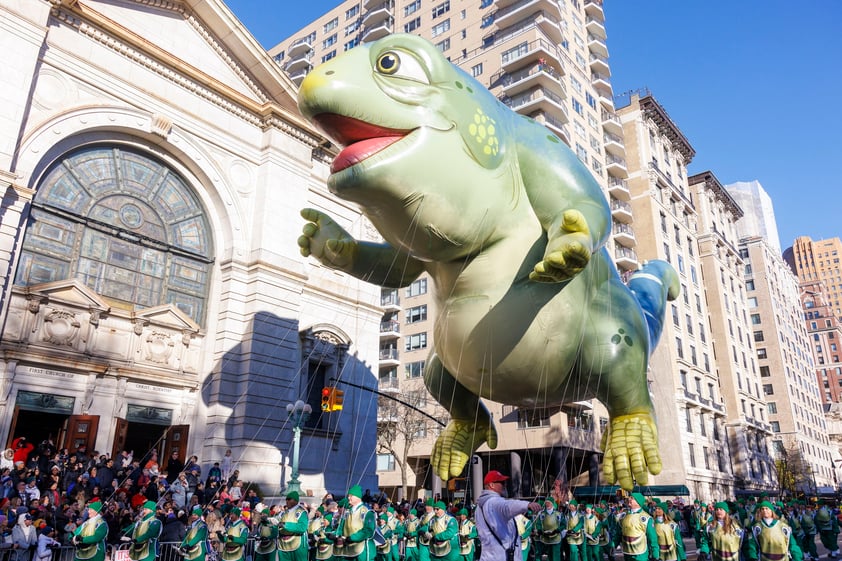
(44, 490)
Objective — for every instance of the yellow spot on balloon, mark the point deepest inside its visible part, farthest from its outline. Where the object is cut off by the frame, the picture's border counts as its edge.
(491, 128)
(487, 150)
(481, 131)
(477, 119)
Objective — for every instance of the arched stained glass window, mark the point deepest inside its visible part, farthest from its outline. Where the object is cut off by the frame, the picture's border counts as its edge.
(126, 225)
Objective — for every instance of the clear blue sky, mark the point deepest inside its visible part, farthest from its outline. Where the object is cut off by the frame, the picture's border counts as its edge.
(753, 85)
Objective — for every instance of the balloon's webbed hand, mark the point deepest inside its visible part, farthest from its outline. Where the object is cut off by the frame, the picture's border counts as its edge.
(631, 450)
(327, 241)
(569, 250)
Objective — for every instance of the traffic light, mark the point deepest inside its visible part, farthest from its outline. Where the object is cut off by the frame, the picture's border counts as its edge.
(336, 399)
(326, 398)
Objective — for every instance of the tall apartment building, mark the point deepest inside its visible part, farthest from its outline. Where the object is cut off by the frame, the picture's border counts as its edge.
(683, 374)
(785, 363)
(545, 59)
(784, 356)
(734, 353)
(819, 261)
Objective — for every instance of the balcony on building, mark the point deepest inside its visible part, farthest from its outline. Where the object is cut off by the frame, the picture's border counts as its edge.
(377, 14)
(600, 80)
(550, 26)
(623, 234)
(541, 74)
(595, 26)
(626, 258)
(619, 188)
(621, 210)
(616, 165)
(390, 329)
(389, 356)
(299, 61)
(614, 144)
(599, 64)
(299, 74)
(597, 45)
(593, 9)
(516, 11)
(529, 53)
(390, 299)
(389, 384)
(606, 97)
(369, 4)
(556, 125)
(537, 99)
(611, 122)
(300, 47)
(378, 30)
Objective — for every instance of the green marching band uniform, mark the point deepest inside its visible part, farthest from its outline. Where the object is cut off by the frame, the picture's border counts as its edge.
(524, 527)
(467, 537)
(606, 540)
(356, 530)
(194, 546)
(771, 539)
(234, 537)
(292, 531)
(89, 537)
(639, 540)
(384, 550)
(828, 528)
(424, 535)
(322, 544)
(575, 531)
(266, 534)
(398, 529)
(444, 545)
(724, 543)
(145, 534)
(549, 530)
(670, 542)
(592, 528)
(411, 535)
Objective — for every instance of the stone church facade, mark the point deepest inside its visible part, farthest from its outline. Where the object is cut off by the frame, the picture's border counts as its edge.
(153, 165)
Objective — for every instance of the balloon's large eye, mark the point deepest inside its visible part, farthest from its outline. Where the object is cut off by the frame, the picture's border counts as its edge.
(388, 63)
(403, 65)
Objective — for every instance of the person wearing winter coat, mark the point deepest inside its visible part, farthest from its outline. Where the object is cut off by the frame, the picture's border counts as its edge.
(24, 537)
(46, 544)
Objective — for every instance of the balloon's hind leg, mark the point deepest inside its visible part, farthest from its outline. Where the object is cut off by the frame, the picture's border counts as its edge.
(470, 423)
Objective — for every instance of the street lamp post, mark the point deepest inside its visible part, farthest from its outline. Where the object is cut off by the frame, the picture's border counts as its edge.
(298, 413)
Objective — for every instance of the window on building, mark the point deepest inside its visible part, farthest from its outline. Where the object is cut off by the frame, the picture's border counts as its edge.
(768, 389)
(329, 41)
(385, 462)
(577, 106)
(352, 11)
(416, 313)
(331, 25)
(758, 336)
(328, 56)
(749, 285)
(776, 426)
(772, 408)
(412, 25)
(688, 419)
(411, 8)
(152, 245)
(441, 9)
(755, 319)
(444, 45)
(761, 353)
(440, 28)
(679, 348)
(692, 455)
(531, 418)
(476, 70)
(764, 372)
(414, 369)
(417, 288)
(416, 341)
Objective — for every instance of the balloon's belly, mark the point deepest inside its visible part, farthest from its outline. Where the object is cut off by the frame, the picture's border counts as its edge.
(517, 350)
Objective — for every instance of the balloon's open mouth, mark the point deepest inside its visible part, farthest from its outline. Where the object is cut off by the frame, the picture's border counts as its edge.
(358, 138)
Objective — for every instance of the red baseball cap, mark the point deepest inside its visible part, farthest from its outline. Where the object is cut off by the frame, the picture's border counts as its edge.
(494, 476)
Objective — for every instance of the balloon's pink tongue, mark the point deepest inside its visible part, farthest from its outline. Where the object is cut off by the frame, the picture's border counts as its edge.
(361, 150)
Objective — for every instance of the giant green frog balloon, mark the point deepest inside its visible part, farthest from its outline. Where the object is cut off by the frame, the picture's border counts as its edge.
(511, 228)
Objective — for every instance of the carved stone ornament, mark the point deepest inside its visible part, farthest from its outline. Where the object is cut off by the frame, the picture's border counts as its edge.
(328, 337)
(159, 347)
(60, 328)
(139, 324)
